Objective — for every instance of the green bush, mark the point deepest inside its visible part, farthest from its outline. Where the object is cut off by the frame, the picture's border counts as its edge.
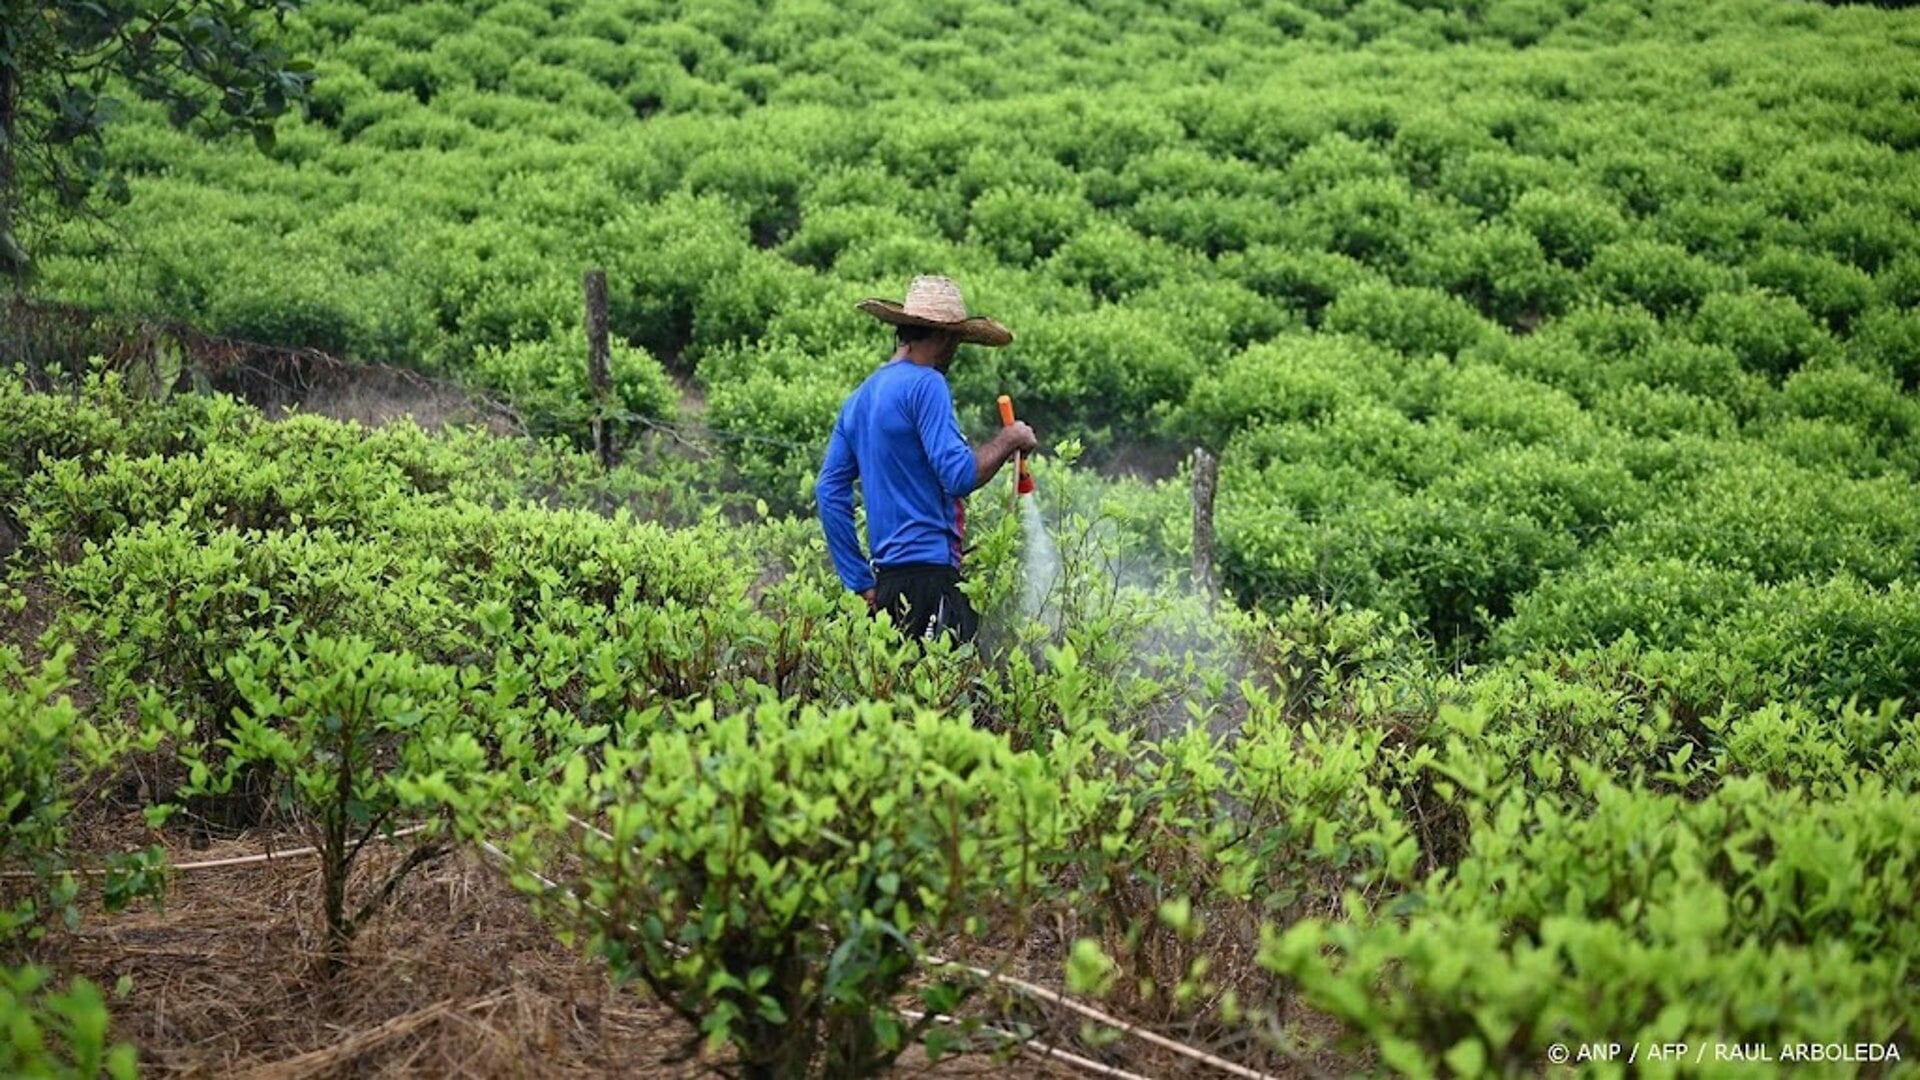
(169, 604)
(105, 414)
(1113, 262)
(1831, 291)
(1415, 321)
(52, 751)
(1710, 372)
(764, 181)
(1864, 235)
(1294, 377)
(1647, 182)
(1572, 227)
(1221, 315)
(1457, 567)
(773, 432)
(340, 729)
(1454, 568)
(1488, 181)
(1020, 226)
(1662, 278)
(1375, 221)
(1656, 411)
(267, 483)
(1504, 274)
(1504, 408)
(1364, 437)
(1831, 640)
(546, 383)
(826, 234)
(746, 304)
(773, 875)
(1770, 334)
(298, 304)
(1778, 522)
(1889, 340)
(1523, 22)
(662, 261)
(1662, 603)
(1585, 496)
(1826, 445)
(1847, 395)
(1689, 913)
(1304, 281)
(1427, 144)
(493, 290)
(1723, 231)
(1105, 373)
(1899, 282)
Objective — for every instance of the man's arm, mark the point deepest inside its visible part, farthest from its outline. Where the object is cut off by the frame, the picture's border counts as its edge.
(962, 469)
(833, 494)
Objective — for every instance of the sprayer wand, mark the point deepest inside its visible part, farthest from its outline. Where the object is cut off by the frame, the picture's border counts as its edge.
(1023, 480)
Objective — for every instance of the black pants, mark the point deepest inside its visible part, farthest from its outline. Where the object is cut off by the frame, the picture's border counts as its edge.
(925, 601)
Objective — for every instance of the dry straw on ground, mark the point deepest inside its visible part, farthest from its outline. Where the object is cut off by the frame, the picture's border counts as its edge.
(457, 979)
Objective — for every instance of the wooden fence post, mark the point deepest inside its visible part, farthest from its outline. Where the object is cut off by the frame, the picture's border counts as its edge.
(1206, 478)
(599, 377)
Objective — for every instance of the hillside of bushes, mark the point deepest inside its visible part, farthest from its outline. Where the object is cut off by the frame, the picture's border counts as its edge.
(1561, 358)
(1477, 300)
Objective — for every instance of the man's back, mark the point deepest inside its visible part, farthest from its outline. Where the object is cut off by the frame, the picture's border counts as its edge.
(898, 434)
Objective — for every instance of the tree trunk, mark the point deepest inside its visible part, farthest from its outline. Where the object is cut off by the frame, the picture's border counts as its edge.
(12, 256)
(1206, 479)
(599, 377)
(333, 886)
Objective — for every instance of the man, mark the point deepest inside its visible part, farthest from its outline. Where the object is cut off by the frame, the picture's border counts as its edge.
(899, 437)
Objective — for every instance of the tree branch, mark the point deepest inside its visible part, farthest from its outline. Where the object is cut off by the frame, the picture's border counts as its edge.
(414, 858)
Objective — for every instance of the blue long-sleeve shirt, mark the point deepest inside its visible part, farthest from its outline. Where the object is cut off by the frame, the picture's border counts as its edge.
(899, 437)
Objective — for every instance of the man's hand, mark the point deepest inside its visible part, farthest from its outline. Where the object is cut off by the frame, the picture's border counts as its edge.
(1015, 438)
(872, 599)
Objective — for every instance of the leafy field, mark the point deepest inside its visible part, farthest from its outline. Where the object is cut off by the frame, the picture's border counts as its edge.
(1561, 358)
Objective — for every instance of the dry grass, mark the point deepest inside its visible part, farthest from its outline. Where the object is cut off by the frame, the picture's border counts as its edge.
(275, 379)
(457, 979)
(374, 396)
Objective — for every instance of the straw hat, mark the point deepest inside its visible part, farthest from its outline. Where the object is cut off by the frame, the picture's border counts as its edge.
(935, 302)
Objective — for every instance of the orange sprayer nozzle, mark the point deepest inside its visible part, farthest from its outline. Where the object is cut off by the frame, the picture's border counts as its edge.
(1023, 484)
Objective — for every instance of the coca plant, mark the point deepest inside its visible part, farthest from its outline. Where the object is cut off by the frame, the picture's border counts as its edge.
(773, 875)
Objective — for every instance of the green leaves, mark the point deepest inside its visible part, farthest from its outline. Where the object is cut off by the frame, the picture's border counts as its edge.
(65, 64)
(49, 751)
(547, 383)
(1089, 969)
(58, 1031)
(1644, 914)
(1638, 559)
(789, 862)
